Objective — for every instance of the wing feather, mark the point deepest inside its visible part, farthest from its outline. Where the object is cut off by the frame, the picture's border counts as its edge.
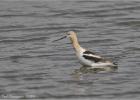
(91, 56)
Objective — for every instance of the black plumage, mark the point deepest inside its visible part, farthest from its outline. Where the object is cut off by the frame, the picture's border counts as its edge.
(90, 56)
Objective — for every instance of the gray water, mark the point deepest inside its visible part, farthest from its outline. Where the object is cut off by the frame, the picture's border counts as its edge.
(33, 66)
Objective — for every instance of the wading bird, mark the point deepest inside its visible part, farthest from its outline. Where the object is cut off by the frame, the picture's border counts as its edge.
(86, 57)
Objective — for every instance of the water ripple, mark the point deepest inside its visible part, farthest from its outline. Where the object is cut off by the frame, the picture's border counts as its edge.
(32, 66)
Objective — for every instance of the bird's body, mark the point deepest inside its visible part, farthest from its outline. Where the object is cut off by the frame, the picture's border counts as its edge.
(88, 58)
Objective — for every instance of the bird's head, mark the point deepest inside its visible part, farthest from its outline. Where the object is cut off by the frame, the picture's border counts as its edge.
(71, 35)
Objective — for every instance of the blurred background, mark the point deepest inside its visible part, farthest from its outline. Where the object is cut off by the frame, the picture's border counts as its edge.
(33, 66)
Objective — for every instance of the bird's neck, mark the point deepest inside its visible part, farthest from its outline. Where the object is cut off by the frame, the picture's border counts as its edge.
(75, 44)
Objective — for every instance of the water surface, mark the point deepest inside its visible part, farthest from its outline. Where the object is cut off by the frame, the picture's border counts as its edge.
(32, 66)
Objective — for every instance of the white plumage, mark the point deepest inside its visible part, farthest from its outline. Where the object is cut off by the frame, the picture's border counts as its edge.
(88, 58)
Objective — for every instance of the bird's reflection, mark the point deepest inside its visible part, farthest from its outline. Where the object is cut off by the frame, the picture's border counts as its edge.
(88, 70)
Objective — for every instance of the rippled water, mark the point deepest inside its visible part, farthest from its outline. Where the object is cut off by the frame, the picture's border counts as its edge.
(32, 66)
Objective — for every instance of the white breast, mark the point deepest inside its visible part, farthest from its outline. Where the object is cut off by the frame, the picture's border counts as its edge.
(82, 60)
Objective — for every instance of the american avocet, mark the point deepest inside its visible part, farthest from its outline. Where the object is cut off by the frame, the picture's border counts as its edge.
(88, 58)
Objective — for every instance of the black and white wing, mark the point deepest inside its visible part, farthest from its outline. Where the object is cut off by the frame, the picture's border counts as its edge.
(93, 57)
